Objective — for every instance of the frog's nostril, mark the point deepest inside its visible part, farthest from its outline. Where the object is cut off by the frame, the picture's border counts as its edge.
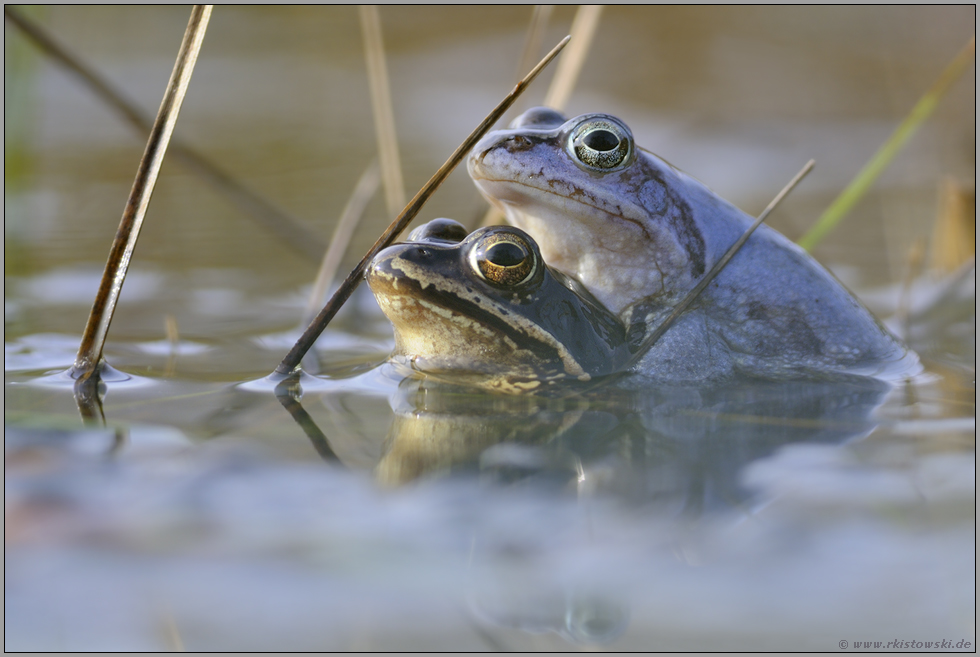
(519, 143)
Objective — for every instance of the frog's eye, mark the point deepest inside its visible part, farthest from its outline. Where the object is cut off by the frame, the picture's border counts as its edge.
(601, 144)
(504, 259)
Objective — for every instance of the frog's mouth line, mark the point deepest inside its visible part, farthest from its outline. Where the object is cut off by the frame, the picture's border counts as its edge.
(545, 351)
(677, 215)
(564, 197)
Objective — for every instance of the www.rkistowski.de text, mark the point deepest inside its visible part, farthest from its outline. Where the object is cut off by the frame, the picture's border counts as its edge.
(899, 644)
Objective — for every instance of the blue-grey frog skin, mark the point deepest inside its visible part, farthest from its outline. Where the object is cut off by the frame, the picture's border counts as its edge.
(639, 234)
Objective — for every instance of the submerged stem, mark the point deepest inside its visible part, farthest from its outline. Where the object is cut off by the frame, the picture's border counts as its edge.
(288, 396)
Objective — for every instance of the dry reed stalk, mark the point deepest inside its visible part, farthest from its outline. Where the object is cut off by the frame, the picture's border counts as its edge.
(172, 632)
(584, 26)
(532, 43)
(291, 362)
(292, 231)
(658, 333)
(954, 234)
(173, 337)
(534, 37)
(566, 76)
(384, 116)
(366, 186)
(121, 252)
(914, 260)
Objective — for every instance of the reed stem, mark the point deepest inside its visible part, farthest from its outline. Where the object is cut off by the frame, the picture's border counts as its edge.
(535, 34)
(121, 252)
(292, 231)
(888, 151)
(366, 186)
(658, 333)
(584, 27)
(583, 30)
(292, 360)
(381, 106)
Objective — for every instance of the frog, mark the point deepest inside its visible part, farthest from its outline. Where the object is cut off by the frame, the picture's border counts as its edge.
(639, 234)
(485, 308)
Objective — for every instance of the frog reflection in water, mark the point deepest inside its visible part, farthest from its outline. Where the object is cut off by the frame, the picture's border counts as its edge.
(639, 234)
(487, 305)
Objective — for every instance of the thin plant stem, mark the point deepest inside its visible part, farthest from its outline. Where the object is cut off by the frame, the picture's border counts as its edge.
(173, 338)
(384, 116)
(121, 252)
(954, 233)
(695, 292)
(583, 30)
(916, 257)
(292, 360)
(584, 26)
(292, 231)
(532, 44)
(366, 186)
(535, 34)
(859, 186)
(174, 638)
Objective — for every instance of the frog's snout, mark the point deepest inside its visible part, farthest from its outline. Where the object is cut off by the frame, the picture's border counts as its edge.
(495, 151)
(511, 142)
(380, 265)
(372, 272)
(480, 151)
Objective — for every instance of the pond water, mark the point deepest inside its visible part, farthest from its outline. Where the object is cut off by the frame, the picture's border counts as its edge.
(370, 511)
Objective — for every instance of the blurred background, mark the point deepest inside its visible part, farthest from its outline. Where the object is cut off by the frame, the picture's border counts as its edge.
(737, 97)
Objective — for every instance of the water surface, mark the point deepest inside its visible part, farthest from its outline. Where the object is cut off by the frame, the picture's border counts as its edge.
(384, 513)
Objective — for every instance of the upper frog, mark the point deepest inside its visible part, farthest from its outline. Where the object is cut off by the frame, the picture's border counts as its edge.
(487, 304)
(639, 234)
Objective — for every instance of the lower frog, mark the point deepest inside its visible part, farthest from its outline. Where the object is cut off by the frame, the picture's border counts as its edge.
(486, 304)
(639, 234)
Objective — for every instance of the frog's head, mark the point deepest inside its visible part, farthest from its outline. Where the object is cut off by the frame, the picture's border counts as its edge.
(602, 209)
(488, 305)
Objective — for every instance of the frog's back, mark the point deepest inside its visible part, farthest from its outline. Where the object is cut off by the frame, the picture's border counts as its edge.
(772, 311)
(639, 234)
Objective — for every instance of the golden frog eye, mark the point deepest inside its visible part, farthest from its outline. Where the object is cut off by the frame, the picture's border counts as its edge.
(504, 259)
(601, 144)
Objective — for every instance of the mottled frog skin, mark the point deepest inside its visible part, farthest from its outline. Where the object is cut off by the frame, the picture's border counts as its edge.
(639, 234)
(486, 308)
